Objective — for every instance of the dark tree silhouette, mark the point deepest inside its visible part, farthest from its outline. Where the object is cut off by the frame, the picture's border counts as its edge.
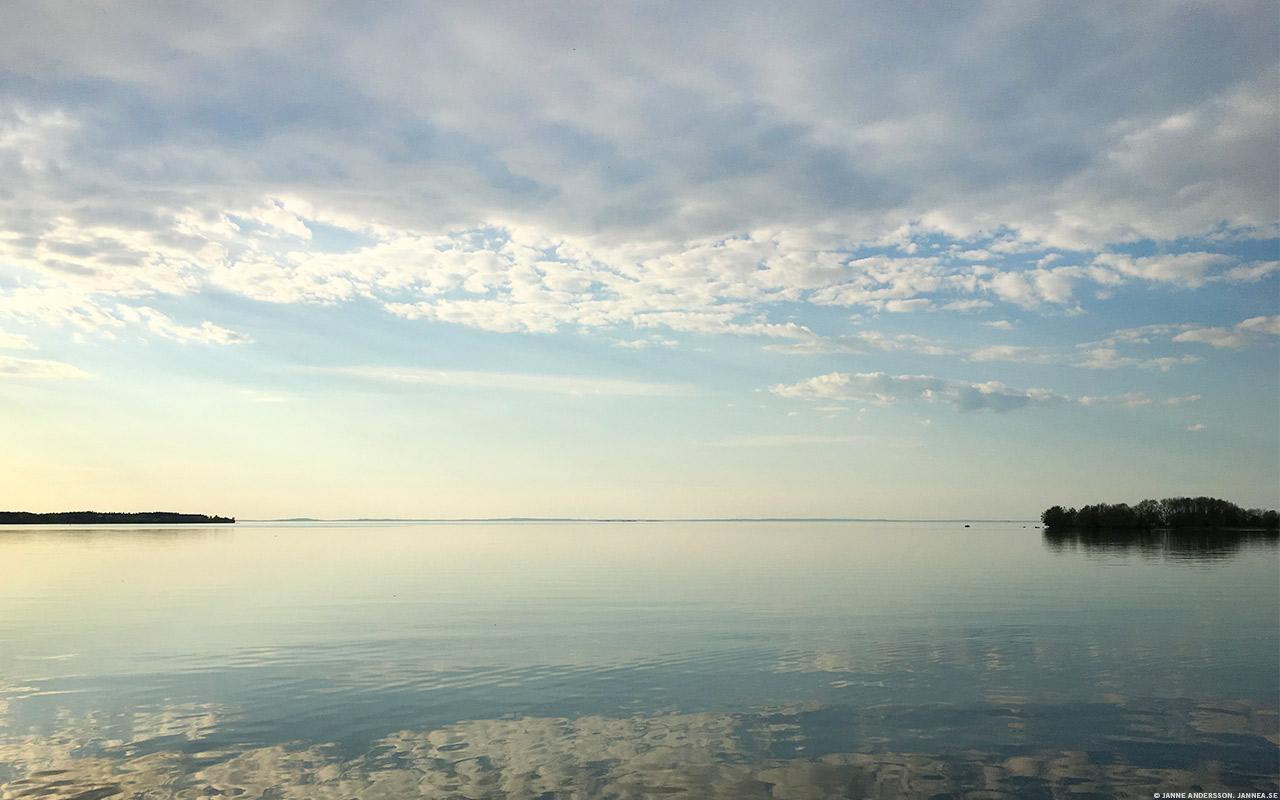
(1172, 513)
(109, 518)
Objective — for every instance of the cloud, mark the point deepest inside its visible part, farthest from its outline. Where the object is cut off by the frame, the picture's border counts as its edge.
(860, 342)
(1249, 333)
(1008, 352)
(1129, 400)
(880, 388)
(14, 341)
(901, 306)
(14, 367)
(1134, 399)
(1197, 427)
(1184, 269)
(784, 440)
(1250, 273)
(513, 381)
(1035, 287)
(1106, 358)
(59, 307)
(607, 168)
(206, 333)
(1103, 353)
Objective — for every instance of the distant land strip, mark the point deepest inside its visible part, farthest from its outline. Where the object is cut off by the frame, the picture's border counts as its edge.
(109, 518)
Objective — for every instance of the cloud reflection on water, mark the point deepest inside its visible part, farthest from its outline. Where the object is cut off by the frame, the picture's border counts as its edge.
(704, 755)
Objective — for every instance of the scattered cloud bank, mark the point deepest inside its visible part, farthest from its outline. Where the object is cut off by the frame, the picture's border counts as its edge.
(609, 168)
(882, 389)
(1106, 358)
(1252, 332)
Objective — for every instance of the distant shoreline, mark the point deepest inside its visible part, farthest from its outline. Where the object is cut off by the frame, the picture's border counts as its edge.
(110, 518)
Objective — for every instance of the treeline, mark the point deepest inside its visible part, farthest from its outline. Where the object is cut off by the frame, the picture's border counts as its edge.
(109, 518)
(1171, 513)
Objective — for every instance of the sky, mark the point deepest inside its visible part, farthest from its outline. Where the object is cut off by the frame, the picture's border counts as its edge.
(661, 260)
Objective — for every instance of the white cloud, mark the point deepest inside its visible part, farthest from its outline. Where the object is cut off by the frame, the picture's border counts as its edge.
(1249, 333)
(1199, 426)
(1106, 358)
(1268, 325)
(1250, 273)
(966, 305)
(14, 341)
(883, 389)
(513, 381)
(14, 367)
(1035, 287)
(1134, 399)
(901, 306)
(206, 333)
(784, 440)
(618, 170)
(879, 388)
(58, 307)
(860, 342)
(1008, 352)
(1184, 269)
(1103, 353)
(1215, 337)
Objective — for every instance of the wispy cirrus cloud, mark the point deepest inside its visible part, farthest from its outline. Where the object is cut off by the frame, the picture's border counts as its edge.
(14, 341)
(785, 440)
(512, 381)
(40, 369)
(864, 341)
(61, 308)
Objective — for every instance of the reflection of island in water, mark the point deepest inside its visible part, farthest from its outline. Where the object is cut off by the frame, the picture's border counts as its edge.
(1185, 545)
(781, 754)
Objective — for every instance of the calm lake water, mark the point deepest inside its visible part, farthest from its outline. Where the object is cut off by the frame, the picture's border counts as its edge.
(629, 660)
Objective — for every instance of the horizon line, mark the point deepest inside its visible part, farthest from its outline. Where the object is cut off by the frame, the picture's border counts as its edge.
(631, 519)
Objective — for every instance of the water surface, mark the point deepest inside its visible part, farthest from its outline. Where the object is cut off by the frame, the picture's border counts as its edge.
(556, 660)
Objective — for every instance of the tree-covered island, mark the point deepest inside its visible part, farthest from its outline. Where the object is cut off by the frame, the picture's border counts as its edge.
(1172, 513)
(110, 518)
